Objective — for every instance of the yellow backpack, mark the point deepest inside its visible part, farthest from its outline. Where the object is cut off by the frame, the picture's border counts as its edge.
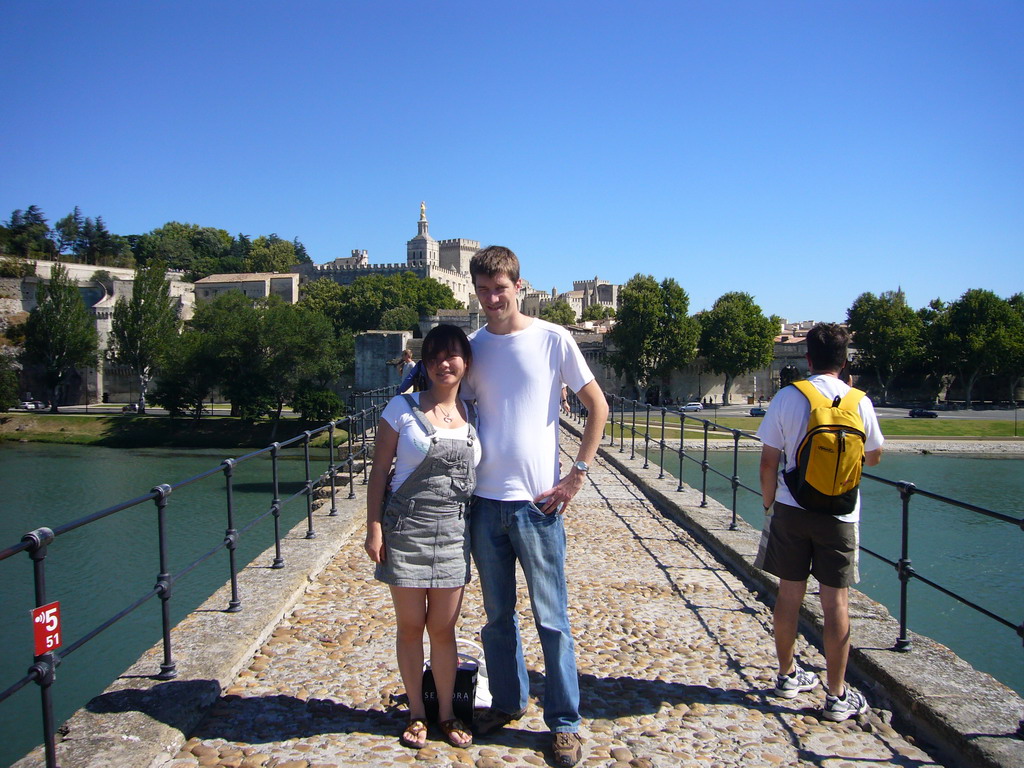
(831, 454)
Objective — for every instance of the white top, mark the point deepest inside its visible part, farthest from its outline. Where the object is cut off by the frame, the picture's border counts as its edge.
(785, 424)
(413, 442)
(517, 381)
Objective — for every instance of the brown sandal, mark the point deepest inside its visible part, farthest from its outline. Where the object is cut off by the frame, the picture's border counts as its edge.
(455, 725)
(415, 734)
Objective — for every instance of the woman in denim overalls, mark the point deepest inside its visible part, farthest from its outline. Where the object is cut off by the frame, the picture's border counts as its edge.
(416, 524)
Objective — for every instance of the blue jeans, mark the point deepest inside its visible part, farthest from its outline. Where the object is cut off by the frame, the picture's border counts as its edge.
(501, 533)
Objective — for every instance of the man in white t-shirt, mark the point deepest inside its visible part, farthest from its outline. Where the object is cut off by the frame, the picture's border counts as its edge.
(519, 366)
(797, 542)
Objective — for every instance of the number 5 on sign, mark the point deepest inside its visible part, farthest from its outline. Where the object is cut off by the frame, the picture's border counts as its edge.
(46, 627)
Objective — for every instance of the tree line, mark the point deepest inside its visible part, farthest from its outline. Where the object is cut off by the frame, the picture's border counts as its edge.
(196, 251)
(978, 336)
(259, 354)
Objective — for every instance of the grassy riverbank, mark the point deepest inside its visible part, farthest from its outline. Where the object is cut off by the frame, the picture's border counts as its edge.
(151, 431)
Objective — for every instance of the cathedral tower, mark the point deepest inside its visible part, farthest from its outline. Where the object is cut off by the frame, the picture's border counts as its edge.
(423, 250)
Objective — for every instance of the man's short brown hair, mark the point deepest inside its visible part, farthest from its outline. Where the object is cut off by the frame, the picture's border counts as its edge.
(826, 347)
(494, 260)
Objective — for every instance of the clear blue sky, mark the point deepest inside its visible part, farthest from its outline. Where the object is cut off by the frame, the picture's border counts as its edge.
(803, 152)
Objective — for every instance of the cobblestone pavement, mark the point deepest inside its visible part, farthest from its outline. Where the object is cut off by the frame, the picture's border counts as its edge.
(675, 658)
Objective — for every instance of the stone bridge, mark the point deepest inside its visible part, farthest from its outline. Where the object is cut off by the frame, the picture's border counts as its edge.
(674, 643)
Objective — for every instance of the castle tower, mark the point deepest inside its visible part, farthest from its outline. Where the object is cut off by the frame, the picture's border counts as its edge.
(423, 250)
(456, 253)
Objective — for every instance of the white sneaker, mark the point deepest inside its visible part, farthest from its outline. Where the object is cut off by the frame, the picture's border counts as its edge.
(788, 686)
(843, 708)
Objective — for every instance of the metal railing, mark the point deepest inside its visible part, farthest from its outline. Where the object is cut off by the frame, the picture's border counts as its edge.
(359, 428)
(632, 417)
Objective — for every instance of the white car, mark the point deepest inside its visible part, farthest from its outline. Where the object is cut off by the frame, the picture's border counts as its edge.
(693, 407)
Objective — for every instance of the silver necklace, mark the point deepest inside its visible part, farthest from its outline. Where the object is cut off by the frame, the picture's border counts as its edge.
(447, 419)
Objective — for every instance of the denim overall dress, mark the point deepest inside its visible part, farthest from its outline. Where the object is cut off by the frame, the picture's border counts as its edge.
(425, 521)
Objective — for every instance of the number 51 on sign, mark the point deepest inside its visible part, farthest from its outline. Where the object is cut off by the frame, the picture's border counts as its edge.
(46, 627)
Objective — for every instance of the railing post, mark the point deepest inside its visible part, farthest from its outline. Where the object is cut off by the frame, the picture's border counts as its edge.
(622, 425)
(661, 456)
(44, 665)
(349, 461)
(275, 507)
(704, 469)
(364, 451)
(903, 568)
(310, 533)
(231, 535)
(682, 448)
(168, 670)
(332, 469)
(735, 474)
(632, 431)
(647, 436)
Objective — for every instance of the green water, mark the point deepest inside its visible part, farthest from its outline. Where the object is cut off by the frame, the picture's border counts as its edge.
(973, 555)
(100, 569)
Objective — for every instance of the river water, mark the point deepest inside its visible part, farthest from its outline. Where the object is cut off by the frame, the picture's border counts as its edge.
(98, 570)
(973, 555)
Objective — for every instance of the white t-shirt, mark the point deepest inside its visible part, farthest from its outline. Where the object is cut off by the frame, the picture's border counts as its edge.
(517, 380)
(413, 442)
(785, 424)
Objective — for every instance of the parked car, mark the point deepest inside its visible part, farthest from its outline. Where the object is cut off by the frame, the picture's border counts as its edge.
(131, 408)
(693, 407)
(923, 413)
(30, 405)
(757, 411)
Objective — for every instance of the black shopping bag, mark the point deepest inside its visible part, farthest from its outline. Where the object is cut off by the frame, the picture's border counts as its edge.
(463, 696)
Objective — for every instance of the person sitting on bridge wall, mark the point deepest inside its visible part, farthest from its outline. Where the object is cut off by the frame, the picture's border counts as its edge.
(417, 524)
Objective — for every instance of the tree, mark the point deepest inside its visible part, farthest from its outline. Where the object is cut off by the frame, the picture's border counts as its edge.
(975, 337)
(328, 298)
(60, 334)
(399, 319)
(69, 233)
(299, 347)
(558, 312)
(28, 235)
(318, 404)
(736, 337)
(887, 334)
(594, 312)
(266, 350)
(197, 251)
(655, 333)
(190, 371)
(270, 254)
(144, 325)
(1015, 362)
(96, 245)
(361, 305)
(301, 255)
(8, 382)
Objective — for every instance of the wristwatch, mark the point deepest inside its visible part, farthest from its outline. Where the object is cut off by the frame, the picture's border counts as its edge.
(582, 466)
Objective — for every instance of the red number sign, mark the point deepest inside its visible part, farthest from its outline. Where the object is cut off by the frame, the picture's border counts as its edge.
(46, 628)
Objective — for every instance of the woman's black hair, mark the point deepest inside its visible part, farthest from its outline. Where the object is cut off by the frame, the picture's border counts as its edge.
(446, 338)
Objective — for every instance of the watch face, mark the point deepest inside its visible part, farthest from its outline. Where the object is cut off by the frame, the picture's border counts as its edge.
(582, 466)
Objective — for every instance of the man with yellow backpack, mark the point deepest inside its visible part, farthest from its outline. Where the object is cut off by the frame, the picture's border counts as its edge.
(815, 438)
